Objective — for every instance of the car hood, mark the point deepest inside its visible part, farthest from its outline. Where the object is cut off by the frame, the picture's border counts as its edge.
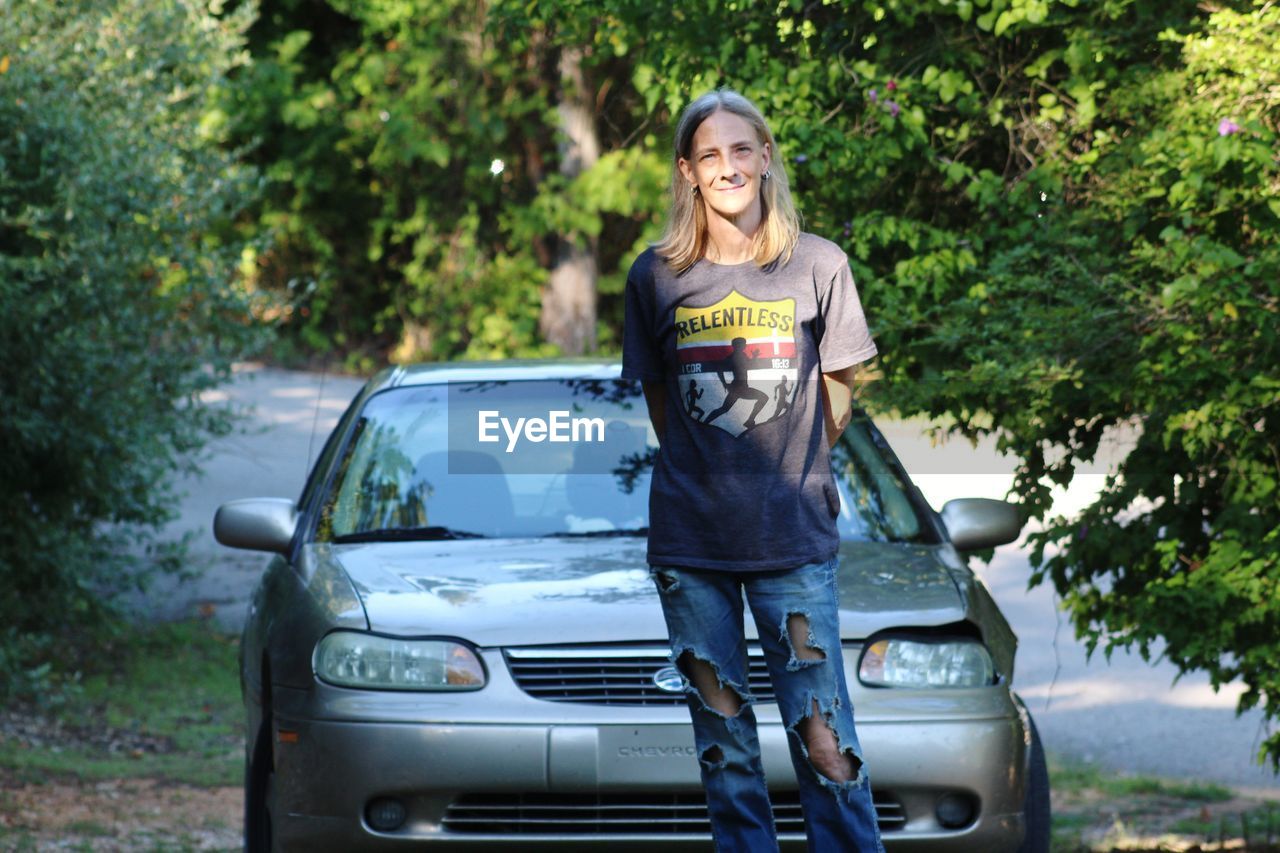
(504, 592)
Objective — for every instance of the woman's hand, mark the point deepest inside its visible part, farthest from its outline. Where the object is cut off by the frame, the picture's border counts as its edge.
(839, 389)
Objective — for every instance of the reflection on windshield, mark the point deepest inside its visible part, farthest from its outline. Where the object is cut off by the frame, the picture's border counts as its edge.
(482, 458)
(874, 505)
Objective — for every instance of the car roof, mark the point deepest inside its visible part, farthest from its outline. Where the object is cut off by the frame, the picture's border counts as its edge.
(431, 373)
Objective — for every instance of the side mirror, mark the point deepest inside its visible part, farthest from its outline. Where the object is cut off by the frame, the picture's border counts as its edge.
(256, 524)
(975, 523)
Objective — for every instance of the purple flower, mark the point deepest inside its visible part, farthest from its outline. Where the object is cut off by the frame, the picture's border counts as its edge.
(894, 109)
(1226, 127)
(872, 96)
(891, 85)
(802, 158)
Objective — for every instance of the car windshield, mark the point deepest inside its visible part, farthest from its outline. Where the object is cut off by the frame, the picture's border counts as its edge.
(455, 460)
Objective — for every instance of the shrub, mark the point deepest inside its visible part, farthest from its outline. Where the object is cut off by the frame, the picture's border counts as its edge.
(118, 297)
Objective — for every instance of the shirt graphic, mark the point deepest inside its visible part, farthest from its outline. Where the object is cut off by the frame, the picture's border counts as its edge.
(737, 361)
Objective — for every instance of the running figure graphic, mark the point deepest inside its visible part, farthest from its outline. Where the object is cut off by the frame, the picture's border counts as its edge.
(782, 399)
(691, 398)
(738, 363)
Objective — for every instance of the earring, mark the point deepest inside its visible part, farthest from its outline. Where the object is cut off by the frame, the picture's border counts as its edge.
(693, 189)
(767, 174)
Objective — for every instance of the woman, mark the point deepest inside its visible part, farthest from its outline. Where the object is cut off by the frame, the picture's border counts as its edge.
(766, 323)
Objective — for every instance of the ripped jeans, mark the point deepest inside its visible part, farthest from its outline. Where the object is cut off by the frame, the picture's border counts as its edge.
(796, 615)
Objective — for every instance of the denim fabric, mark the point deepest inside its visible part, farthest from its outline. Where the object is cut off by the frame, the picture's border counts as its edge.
(704, 615)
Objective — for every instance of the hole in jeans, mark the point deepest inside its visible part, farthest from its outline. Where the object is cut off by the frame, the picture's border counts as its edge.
(822, 746)
(803, 646)
(713, 757)
(667, 581)
(715, 694)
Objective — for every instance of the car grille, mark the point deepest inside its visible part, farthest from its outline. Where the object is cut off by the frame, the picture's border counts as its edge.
(623, 676)
(630, 814)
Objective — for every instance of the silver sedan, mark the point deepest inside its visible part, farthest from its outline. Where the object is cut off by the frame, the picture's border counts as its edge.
(456, 645)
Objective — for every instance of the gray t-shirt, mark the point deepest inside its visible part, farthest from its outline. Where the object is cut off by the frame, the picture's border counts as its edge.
(742, 480)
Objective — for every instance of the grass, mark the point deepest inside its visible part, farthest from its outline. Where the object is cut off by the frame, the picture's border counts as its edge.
(1098, 810)
(89, 827)
(1067, 830)
(1076, 776)
(161, 701)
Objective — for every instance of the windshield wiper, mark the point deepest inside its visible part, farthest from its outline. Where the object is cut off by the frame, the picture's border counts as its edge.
(405, 534)
(598, 534)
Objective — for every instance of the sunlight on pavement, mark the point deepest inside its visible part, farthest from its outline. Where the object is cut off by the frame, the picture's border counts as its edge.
(1094, 692)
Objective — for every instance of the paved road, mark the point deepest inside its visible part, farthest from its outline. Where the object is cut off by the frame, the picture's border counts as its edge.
(291, 413)
(1125, 714)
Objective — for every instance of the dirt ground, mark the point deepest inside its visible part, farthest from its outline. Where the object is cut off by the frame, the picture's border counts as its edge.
(118, 814)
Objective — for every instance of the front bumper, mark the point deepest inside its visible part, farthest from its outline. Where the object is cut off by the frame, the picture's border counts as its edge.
(561, 781)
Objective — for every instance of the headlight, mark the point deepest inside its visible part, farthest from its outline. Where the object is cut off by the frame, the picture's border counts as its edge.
(926, 662)
(351, 659)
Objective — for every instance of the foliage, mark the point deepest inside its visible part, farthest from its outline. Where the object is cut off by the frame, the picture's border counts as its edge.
(414, 192)
(118, 302)
(1181, 550)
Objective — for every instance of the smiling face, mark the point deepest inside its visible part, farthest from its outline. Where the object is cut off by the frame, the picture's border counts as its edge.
(726, 162)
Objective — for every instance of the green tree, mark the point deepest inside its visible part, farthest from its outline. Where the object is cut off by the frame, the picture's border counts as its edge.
(118, 296)
(420, 183)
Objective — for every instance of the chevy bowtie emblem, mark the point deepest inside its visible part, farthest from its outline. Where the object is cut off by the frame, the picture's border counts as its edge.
(669, 679)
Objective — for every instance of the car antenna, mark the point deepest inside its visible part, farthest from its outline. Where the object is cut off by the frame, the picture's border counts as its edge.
(315, 418)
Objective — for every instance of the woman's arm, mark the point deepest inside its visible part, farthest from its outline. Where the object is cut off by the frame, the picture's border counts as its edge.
(838, 394)
(655, 397)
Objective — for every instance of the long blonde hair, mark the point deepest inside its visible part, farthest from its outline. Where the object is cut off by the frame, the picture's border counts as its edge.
(685, 240)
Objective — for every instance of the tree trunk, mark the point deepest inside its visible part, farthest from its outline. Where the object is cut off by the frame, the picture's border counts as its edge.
(568, 316)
